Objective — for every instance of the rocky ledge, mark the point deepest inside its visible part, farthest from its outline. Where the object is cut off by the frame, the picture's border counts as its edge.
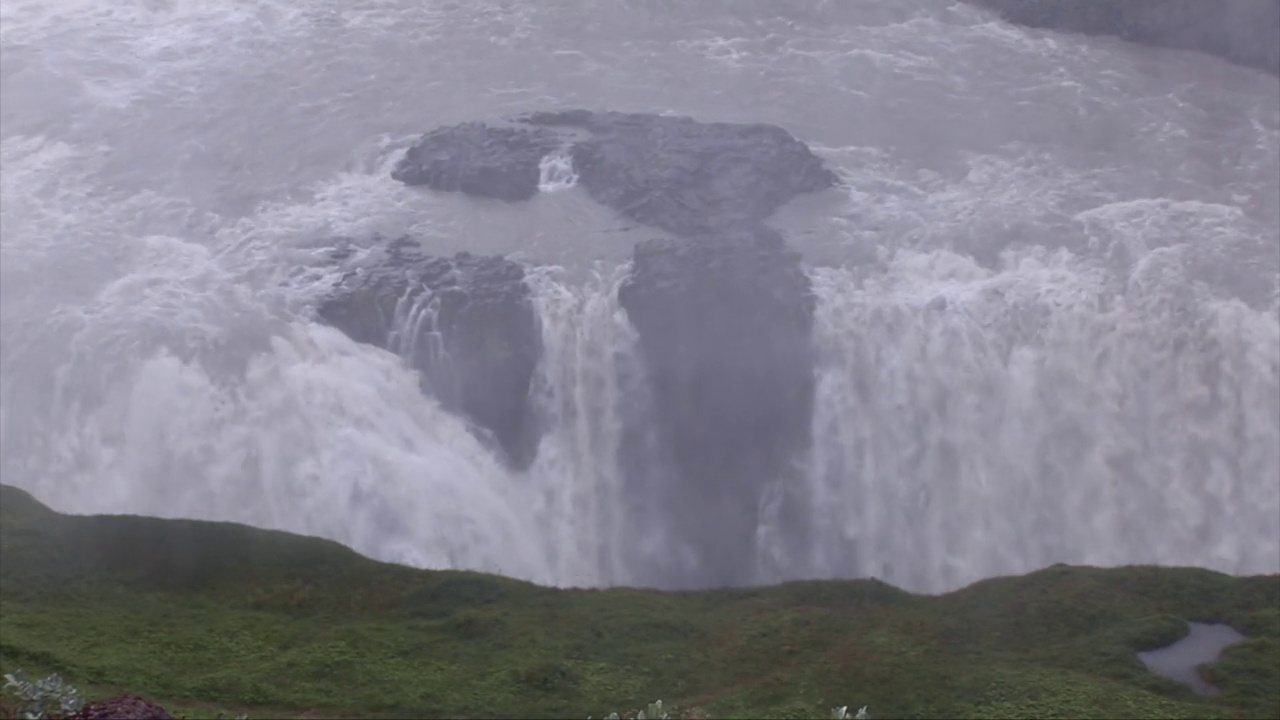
(674, 173)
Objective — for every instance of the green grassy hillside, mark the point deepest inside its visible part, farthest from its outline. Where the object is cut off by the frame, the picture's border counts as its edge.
(207, 616)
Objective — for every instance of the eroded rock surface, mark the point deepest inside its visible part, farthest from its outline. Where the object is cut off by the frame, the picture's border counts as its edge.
(725, 323)
(123, 707)
(674, 173)
(466, 323)
(493, 161)
(723, 310)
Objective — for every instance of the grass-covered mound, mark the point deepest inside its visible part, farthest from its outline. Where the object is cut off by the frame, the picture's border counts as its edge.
(210, 616)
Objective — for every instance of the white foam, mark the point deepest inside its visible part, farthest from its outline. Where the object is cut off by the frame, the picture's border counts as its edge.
(178, 396)
(316, 437)
(1034, 418)
(556, 173)
(178, 173)
(576, 480)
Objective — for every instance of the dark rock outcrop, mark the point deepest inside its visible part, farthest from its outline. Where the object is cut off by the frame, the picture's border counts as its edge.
(724, 311)
(123, 707)
(1245, 32)
(466, 323)
(493, 161)
(685, 176)
(725, 324)
(675, 173)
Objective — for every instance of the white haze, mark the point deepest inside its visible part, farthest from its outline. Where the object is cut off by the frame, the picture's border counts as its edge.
(1049, 294)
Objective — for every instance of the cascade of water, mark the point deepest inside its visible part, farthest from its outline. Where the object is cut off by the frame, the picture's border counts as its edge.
(175, 172)
(975, 422)
(580, 390)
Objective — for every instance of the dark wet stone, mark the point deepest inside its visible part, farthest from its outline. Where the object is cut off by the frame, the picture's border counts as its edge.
(1244, 32)
(725, 323)
(124, 707)
(674, 173)
(466, 323)
(478, 159)
(724, 310)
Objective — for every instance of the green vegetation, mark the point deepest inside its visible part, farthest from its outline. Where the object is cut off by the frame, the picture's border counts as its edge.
(208, 617)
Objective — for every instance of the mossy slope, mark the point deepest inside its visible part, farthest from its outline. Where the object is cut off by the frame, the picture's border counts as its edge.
(198, 613)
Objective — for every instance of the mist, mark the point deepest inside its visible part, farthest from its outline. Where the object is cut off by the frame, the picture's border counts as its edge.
(1043, 291)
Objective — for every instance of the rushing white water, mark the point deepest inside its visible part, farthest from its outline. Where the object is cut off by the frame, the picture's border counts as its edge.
(579, 503)
(556, 172)
(1049, 293)
(973, 422)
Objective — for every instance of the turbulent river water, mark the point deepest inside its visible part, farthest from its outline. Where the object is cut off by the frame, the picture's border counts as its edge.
(1048, 318)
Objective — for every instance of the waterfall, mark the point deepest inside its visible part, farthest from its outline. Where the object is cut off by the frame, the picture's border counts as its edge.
(974, 422)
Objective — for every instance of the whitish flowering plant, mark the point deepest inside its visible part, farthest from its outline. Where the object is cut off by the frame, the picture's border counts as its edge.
(43, 699)
(654, 712)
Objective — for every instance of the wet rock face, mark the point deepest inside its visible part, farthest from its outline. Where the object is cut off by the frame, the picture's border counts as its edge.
(500, 162)
(724, 311)
(689, 177)
(1245, 32)
(124, 707)
(725, 323)
(466, 323)
(674, 173)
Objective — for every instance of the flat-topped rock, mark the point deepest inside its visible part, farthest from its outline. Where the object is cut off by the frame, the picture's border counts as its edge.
(493, 161)
(669, 172)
